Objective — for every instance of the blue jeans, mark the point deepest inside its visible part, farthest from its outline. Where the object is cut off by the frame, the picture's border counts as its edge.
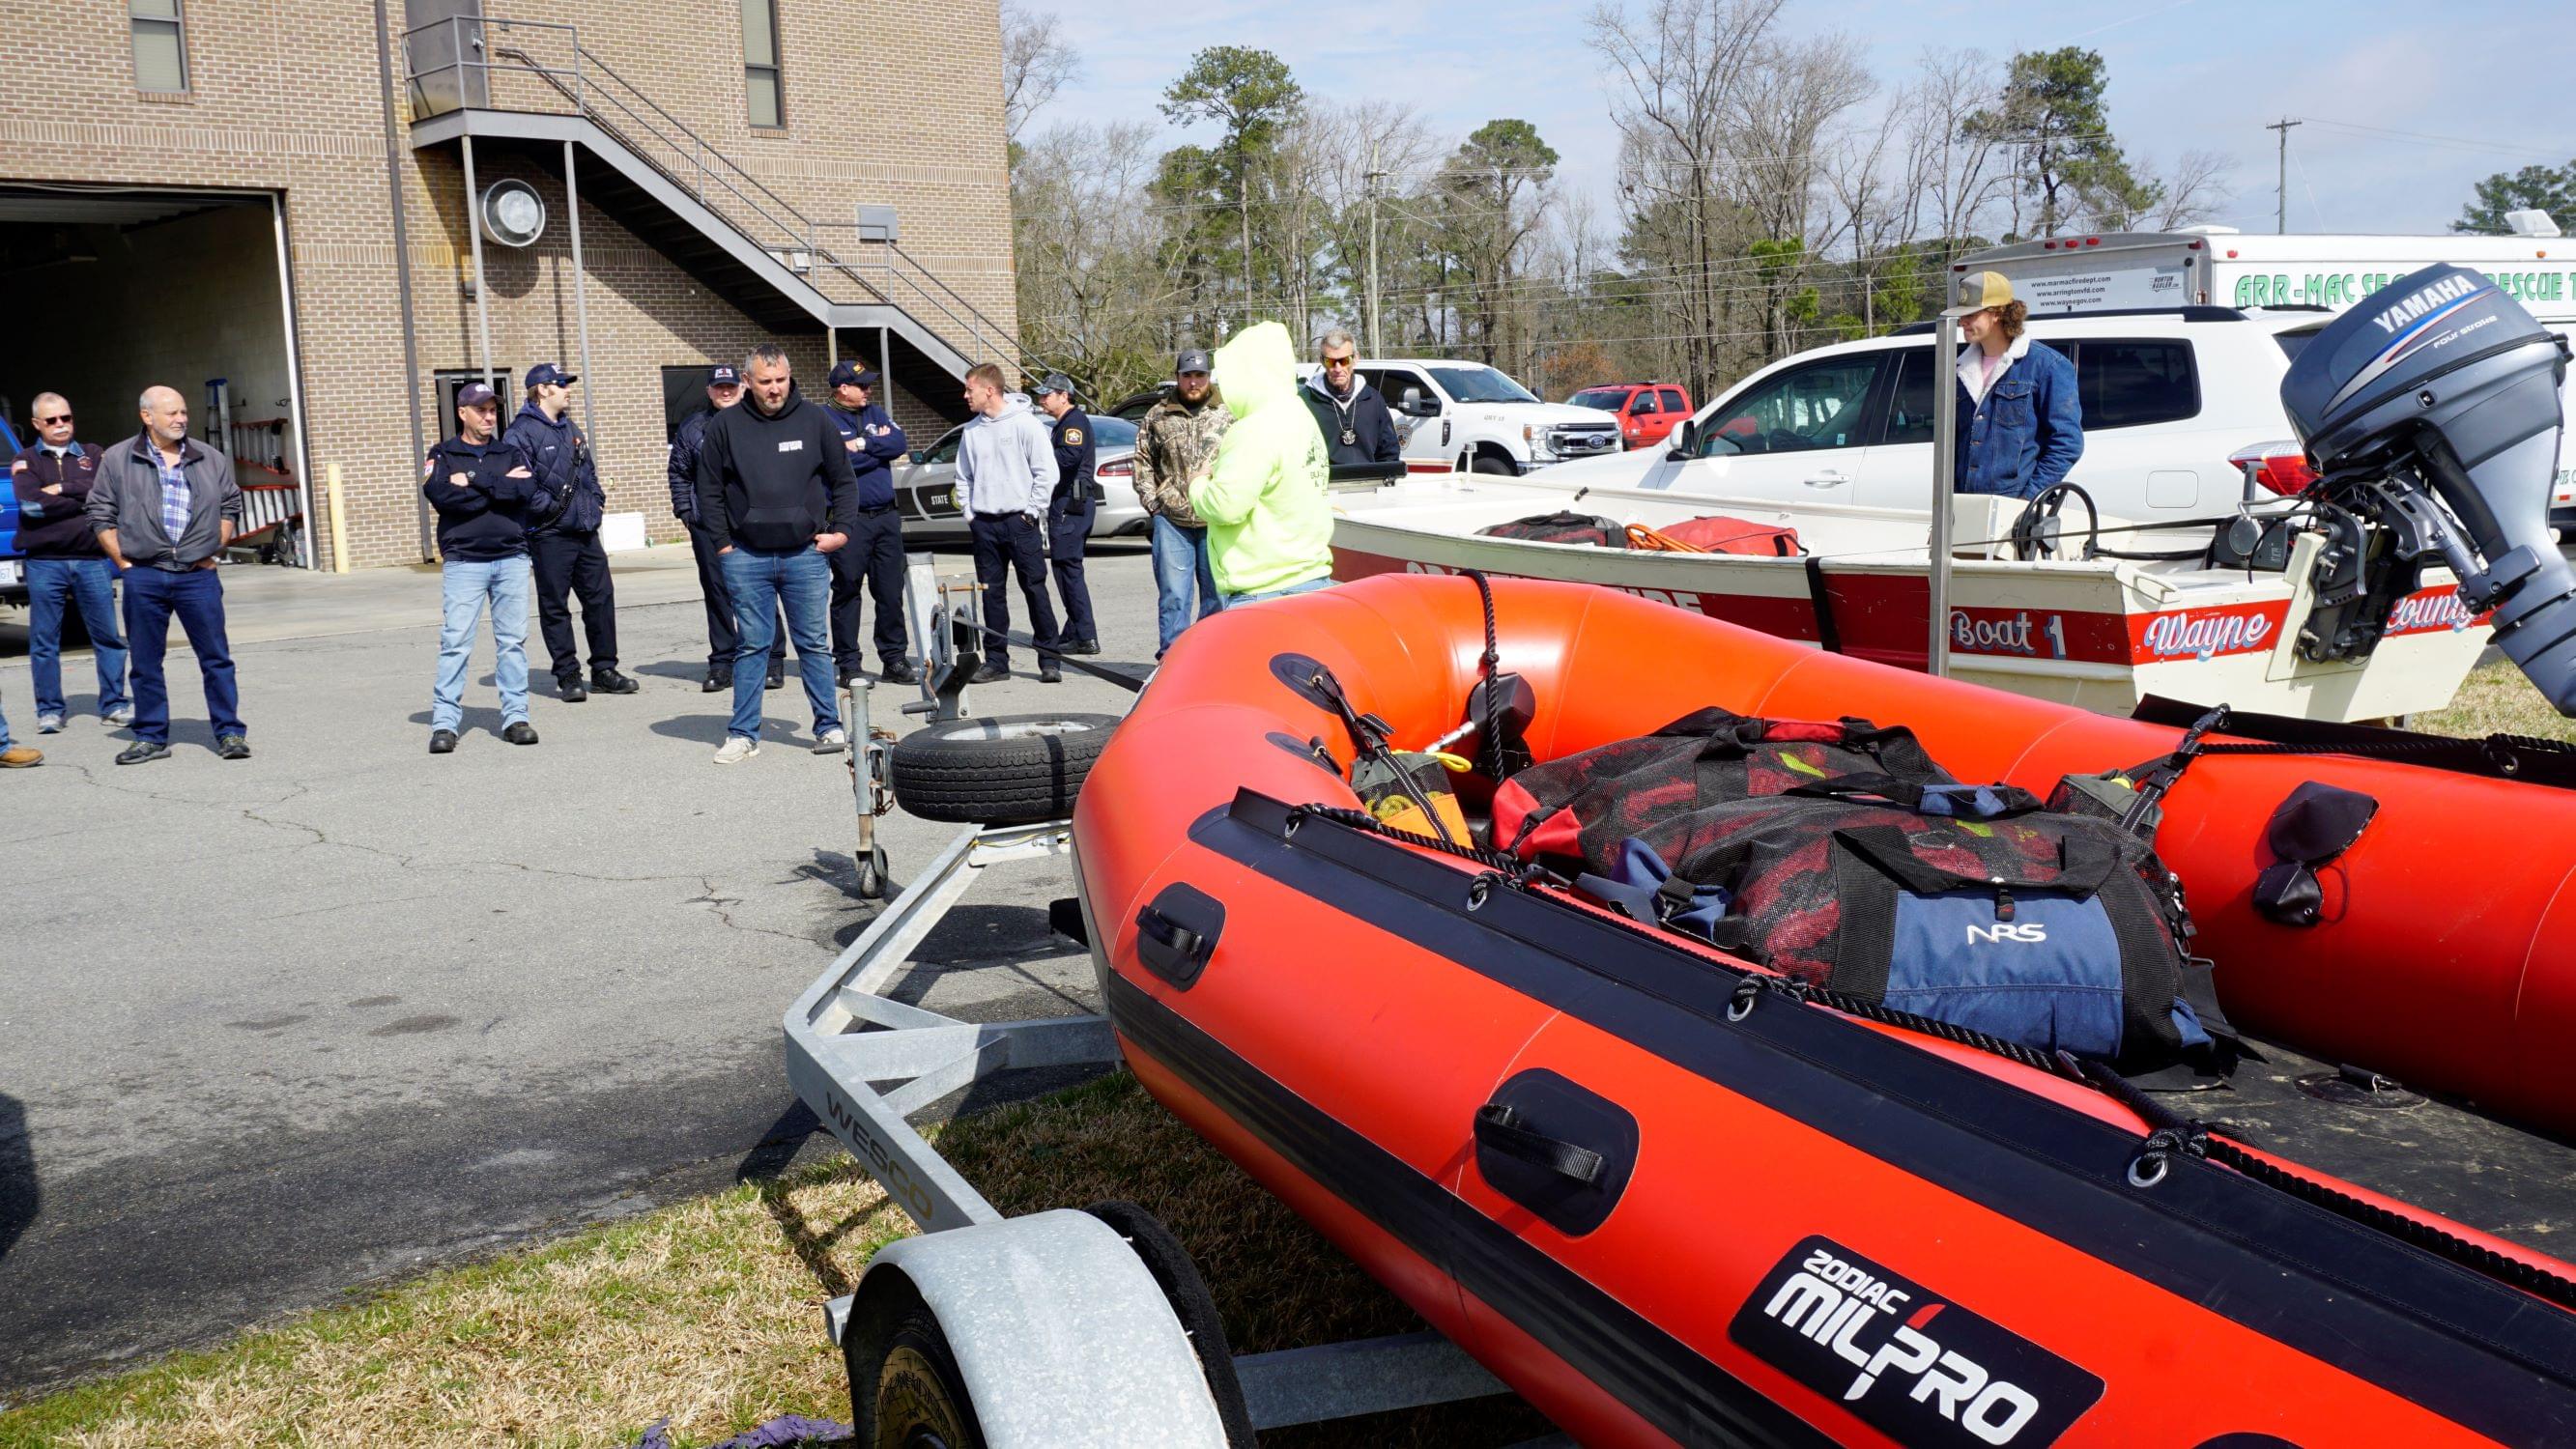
(1236, 601)
(151, 596)
(762, 585)
(465, 586)
(1180, 559)
(53, 586)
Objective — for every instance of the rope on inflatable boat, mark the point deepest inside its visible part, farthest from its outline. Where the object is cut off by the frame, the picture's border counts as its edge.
(1513, 869)
(2175, 1135)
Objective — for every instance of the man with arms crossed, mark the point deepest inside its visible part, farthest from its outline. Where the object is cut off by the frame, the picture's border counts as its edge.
(64, 566)
(483, 490)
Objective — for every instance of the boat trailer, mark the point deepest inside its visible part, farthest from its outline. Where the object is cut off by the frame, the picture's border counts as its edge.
(1058, 1329)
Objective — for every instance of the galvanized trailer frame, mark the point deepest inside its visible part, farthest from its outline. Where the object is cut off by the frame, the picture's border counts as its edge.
(1078, 1346)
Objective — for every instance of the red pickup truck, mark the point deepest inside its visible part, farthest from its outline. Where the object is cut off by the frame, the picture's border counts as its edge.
(1647, 410)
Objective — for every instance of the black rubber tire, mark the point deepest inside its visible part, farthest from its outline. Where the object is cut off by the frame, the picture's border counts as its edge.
(1488, 463)
(1178, 1277)
(905, 1388)
(1007, 769)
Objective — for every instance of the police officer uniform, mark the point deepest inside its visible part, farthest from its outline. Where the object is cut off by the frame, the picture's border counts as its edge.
(1069, 515)
(873, 557)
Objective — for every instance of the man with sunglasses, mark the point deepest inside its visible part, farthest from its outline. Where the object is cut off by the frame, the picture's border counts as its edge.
(65, 566)
(483, 491)
(1357, 425)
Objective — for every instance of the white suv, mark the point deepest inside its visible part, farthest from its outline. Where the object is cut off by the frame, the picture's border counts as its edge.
(1470, 417)
(2176, 402)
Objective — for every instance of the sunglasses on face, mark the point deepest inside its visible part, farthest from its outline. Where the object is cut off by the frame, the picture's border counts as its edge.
(49, 422)
(1338, 361)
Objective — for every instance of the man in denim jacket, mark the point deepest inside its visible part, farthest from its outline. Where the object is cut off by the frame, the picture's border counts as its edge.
(2021, 428)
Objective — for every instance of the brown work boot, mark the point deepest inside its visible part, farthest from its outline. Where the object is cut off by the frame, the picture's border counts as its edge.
(19, 757)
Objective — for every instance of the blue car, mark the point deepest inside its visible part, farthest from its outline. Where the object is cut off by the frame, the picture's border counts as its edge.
(13, 560)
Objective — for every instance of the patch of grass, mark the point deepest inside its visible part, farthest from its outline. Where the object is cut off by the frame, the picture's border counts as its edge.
(710, 1311)
(2497, 699)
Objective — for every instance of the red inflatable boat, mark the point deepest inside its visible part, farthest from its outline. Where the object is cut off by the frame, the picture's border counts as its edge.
(1796, 1224)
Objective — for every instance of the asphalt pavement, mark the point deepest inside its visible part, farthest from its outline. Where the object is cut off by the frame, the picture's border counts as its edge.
(276, 1030)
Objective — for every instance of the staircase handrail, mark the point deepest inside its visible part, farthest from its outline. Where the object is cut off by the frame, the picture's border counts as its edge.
(799, 231)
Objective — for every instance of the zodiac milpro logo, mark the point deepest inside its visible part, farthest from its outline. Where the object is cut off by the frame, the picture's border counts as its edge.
(1910, 1363)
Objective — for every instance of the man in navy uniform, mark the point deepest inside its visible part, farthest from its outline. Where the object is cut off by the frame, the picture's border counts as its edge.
(483, 490)
(565, 549)
(1069, 509)
(874, 554)
(724, 389)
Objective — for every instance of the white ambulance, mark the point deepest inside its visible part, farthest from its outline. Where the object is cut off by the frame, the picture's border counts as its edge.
(2221, 267)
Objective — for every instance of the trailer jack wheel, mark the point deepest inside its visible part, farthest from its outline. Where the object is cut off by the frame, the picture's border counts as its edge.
(872, 874)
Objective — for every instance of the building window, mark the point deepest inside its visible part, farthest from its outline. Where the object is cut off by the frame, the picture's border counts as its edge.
(760, 81)
(160, 54)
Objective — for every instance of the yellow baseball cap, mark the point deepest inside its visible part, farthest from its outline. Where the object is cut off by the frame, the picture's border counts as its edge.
(1984, 289)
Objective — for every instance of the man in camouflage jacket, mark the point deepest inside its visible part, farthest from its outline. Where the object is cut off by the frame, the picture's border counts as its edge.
(1174, 445)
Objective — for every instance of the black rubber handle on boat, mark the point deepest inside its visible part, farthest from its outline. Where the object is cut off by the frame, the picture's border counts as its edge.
(1176, 933)
(1499, 1129)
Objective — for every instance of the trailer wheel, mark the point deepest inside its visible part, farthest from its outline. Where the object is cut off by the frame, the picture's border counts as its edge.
(1039, 1332)
(1008, 769)
(921, 1400)
(1178, 1277)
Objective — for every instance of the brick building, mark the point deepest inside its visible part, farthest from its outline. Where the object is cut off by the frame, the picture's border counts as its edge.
(193, 190)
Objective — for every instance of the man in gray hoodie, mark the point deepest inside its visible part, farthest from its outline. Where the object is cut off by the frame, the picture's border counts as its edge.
(1005, 470)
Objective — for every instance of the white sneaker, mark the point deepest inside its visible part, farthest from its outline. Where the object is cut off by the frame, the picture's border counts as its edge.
(832, 741)
(737, 748)
(49, 724)
(121, 716)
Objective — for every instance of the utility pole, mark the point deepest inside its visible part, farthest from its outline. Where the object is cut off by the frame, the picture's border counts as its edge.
(1243, 204)
(1376, 342)
(2281, 217)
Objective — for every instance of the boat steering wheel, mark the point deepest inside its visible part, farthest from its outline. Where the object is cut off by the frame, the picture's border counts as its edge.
(2039, 532)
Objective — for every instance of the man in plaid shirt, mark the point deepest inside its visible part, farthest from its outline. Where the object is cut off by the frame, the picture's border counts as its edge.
(163, 506)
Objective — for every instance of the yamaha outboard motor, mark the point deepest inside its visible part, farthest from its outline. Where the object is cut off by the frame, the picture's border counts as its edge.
(2431, 412)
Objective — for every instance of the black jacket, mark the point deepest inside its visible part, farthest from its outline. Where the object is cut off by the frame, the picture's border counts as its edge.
(771, 483)
(683, 465)
(880, 443)
(55, 525)
(1365, 416)
(1077, 452)
(487, 517)
(560, 456)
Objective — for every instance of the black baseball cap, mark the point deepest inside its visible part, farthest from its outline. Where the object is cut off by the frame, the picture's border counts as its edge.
(475, 395)
(548, 372)
(724, 374)
(1195, 359)
(853, 374)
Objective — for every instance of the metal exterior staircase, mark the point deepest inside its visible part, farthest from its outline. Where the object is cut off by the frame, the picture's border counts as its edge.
(533, 82)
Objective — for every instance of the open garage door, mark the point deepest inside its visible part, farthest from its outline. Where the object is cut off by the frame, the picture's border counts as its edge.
(113, 289)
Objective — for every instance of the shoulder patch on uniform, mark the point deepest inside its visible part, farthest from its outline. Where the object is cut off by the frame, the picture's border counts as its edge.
(1073, 435)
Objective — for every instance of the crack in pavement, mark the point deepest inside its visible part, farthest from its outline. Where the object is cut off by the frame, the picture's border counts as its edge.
(708, 898)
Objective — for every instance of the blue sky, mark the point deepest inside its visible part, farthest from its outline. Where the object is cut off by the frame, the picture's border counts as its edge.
(2491, 78)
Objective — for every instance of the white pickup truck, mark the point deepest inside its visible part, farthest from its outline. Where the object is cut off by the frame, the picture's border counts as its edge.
(1470, 417)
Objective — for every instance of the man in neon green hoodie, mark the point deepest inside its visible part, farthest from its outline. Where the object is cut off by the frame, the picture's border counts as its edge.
(1270, 530)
